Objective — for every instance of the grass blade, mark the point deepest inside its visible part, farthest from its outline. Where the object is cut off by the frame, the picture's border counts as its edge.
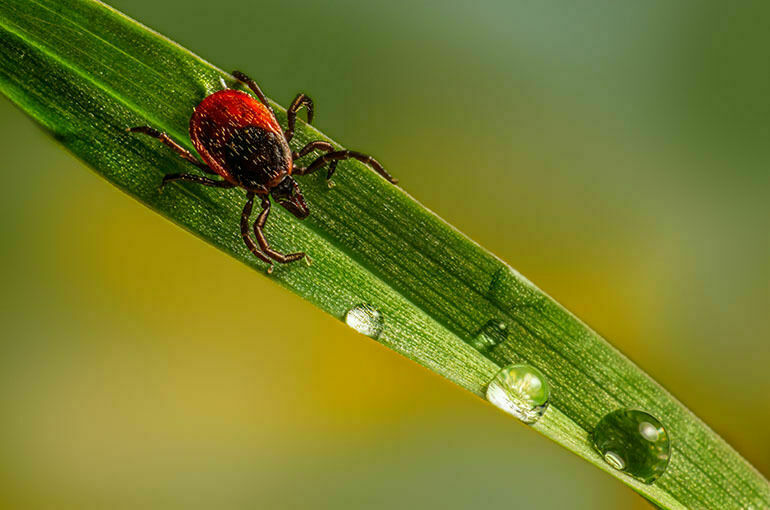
(86, 73)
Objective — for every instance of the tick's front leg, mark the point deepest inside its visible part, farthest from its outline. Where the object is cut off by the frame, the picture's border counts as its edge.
(332, 158)
(250, 244)
(262, 240)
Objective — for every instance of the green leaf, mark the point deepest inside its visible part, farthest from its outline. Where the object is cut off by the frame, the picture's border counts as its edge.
(86, 73)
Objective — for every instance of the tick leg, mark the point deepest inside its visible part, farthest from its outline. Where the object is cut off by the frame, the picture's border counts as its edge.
(254, 88)
(199, 179)
(291, 114)
(259, 225)
(334, 157)
(166, 140)
(246, 234)
(312, 146)
(307, 149)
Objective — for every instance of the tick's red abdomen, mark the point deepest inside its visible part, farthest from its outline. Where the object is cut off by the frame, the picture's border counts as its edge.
(239, 139)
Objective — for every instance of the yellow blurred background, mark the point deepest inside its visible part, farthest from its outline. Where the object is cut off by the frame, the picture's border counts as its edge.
(617, 154)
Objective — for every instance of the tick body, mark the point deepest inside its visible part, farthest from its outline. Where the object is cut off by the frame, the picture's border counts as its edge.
(240, 140)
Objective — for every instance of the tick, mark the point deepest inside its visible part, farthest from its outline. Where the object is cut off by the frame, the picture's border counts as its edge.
(240, 140)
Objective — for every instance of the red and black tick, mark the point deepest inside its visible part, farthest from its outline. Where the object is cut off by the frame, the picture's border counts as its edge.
(240, 140)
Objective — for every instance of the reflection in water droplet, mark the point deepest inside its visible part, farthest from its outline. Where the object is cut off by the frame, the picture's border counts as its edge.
(520, 390)
(614, 460)
(648, 431)
(633, 442)
(492, 333)
(365, 319)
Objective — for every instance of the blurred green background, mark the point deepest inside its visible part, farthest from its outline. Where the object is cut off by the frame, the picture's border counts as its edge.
(617, 154)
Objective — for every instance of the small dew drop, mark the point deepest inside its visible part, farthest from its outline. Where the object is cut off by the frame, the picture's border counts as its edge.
(366, 320)
(634, 442)
(521, 391)
(492, 333)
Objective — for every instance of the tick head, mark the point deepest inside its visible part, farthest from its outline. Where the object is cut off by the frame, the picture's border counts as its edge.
(287, 194)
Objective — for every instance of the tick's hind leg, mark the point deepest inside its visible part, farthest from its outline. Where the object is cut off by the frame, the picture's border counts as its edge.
(333, 157)
(259, 225)
(246, 234)
(291, 113)
(168, 142)
(254, 88)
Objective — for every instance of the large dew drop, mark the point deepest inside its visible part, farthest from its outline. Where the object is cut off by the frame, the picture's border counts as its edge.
(520, 390)
(365, 319)
(634, 442)
(492, 333)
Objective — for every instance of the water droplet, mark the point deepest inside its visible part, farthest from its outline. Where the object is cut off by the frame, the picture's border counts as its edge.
(365, 319)
(492, 333)
(520, 390)
(633, 442)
